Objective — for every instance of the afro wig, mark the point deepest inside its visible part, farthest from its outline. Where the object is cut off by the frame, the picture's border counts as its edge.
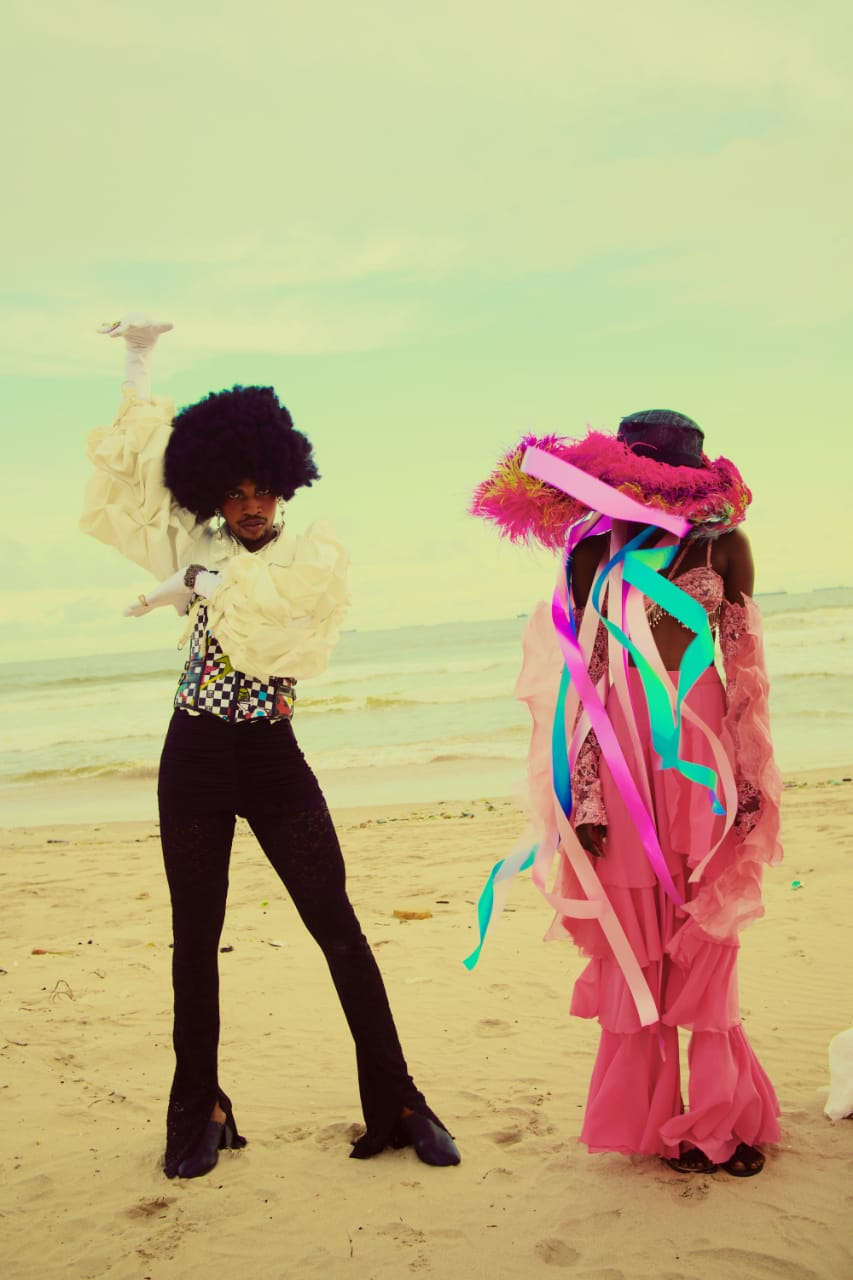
(230, 436)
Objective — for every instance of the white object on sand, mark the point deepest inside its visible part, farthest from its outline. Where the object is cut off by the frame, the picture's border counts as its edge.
(839, 1104)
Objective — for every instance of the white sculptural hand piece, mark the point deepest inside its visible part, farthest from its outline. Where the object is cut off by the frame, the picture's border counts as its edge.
(140, 334)
(137, 328)
(173, 591)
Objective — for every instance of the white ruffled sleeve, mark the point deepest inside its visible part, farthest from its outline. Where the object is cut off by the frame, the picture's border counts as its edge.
(276, 612)
(127, 505)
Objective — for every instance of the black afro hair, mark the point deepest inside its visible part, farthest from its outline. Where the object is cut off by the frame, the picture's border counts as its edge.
(229, 436)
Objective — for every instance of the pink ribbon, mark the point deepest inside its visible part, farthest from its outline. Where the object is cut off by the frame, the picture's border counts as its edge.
(608, 741)
(595, 494)
(607, 504)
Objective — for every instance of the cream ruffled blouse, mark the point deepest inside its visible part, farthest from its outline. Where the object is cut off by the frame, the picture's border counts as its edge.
(276, 611)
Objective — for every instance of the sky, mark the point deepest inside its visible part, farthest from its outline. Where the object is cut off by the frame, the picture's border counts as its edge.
(433, 229)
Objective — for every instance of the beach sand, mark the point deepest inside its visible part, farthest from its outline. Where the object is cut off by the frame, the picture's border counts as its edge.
(86, 1063)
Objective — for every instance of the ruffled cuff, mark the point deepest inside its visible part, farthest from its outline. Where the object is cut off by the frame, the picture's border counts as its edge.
(279, 615)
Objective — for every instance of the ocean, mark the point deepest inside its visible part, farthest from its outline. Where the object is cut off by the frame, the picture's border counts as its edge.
(411, 714)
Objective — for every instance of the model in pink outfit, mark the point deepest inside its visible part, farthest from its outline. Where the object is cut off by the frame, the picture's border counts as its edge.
(686, 943)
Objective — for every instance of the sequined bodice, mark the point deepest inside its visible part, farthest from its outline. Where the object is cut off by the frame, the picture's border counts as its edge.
(702, 583)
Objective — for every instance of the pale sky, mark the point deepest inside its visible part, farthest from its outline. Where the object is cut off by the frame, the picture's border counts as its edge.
(433, 228)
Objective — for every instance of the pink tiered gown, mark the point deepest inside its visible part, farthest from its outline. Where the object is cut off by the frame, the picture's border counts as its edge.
(688, 954)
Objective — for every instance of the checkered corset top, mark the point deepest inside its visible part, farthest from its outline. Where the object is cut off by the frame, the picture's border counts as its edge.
(210, 683)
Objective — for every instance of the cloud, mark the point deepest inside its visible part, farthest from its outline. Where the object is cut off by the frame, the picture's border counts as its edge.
(514, 216)
(60, 341)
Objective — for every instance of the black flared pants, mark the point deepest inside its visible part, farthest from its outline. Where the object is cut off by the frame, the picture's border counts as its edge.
(211, 771)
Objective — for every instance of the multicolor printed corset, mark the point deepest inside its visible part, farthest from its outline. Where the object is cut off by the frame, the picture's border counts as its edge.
(209, 683)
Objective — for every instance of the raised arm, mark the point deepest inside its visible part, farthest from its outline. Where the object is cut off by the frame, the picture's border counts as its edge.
(140, 334)
(126, 504)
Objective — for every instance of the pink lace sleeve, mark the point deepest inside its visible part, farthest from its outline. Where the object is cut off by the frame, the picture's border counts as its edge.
(746, 727)
(729, 895)
(587, 801)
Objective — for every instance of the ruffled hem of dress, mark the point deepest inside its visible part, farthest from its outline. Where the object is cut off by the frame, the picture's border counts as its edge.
(739, 1103)
(635, 1104)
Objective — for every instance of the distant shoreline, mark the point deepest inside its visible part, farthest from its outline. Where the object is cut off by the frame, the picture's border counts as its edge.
(174, 656)
(95, 802)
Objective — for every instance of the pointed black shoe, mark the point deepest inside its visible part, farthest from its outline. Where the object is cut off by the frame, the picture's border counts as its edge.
(432, 1143)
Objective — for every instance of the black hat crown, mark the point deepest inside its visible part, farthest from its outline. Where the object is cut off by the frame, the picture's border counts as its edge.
(664, 435)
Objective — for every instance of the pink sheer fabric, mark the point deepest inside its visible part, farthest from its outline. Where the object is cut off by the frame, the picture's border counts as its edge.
(688, 955)
(537, 685)
(730, 898)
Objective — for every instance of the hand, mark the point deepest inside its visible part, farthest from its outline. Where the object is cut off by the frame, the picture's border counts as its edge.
(206, 583)
(172, 591)
(139, 331)
(592, 837)
(140, 335)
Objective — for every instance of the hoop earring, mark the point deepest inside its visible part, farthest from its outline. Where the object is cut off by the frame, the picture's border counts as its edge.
(280, 509)
(220, 525)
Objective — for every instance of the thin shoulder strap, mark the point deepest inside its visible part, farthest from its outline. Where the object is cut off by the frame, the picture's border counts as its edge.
(708, 555)
(685, 547)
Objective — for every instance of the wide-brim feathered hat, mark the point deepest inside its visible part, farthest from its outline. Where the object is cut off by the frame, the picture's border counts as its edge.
(656, 458)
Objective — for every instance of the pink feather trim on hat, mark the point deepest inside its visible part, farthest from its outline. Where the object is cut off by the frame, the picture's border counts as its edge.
(713, 498)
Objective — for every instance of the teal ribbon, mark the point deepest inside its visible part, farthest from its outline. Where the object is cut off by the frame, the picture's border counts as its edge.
(561, 773)
(503, 870)
(642, 568)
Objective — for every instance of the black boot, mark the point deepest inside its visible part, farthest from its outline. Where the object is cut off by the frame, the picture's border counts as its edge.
(432, 1143)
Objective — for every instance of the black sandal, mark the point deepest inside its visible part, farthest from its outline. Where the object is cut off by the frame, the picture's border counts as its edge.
(745, 1162)
(690, 1160)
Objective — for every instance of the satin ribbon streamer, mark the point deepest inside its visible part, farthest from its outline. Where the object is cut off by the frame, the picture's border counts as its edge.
(634, 569)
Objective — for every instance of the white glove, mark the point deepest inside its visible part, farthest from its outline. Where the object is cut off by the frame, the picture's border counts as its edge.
(172, 591)
(140, 334)
(206, 583)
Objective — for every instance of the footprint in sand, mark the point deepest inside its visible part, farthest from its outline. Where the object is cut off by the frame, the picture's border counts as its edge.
(294, 1133)
(333, 1135)
(556, 1252)
(150, 1208)
(507, 1137)
(749, 1262)
(402, 1233)
(493, 1027)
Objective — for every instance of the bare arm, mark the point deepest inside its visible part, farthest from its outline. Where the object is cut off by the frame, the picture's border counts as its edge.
(732, 558)
(585, 561)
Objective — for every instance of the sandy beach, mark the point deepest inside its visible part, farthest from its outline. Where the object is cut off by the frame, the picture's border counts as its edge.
(86, 1064)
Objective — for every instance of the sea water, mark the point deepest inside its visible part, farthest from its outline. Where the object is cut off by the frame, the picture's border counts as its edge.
(415, 713)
